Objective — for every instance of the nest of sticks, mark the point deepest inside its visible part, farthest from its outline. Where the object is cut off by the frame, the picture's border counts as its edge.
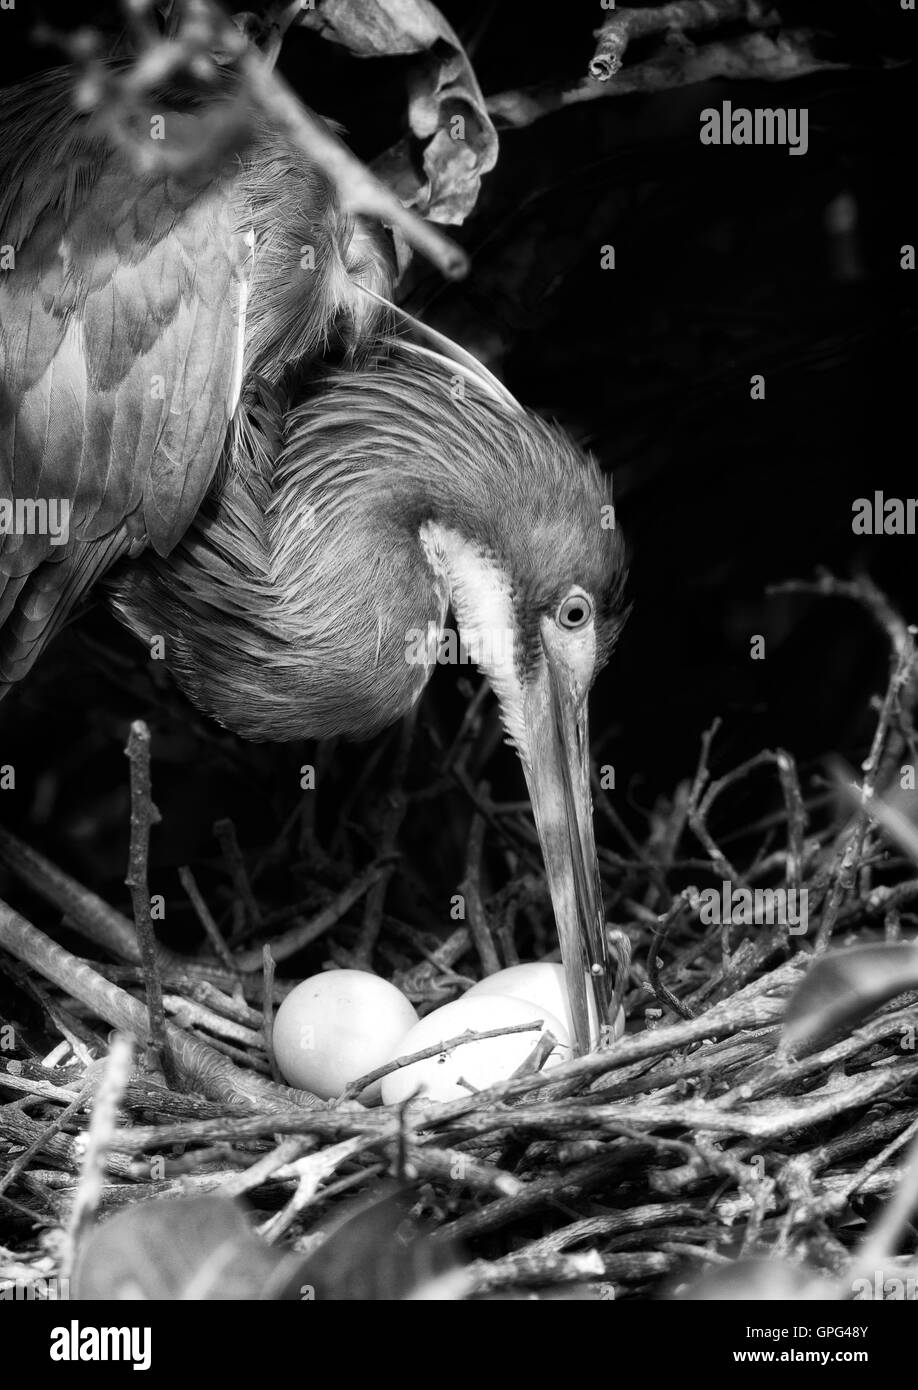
(697, 1141)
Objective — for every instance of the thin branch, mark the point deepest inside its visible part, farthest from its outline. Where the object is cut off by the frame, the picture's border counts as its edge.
(623, 26)
(144, 815)
(470, 888)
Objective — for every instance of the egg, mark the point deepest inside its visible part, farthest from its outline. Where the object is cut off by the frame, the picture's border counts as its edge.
(480, 1062)
(542, 982)
(337, 1026)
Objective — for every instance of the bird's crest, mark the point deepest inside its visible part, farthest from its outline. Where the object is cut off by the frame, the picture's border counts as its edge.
(450, 354)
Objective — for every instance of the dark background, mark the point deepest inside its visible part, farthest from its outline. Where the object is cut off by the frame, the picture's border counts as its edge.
(727, 265)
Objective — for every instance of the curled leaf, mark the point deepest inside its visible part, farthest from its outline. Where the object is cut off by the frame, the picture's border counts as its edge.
(446, 110)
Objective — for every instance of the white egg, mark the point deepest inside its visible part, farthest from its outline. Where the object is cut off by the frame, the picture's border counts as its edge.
(337, 1026)
(542, 982)
(480, 1062)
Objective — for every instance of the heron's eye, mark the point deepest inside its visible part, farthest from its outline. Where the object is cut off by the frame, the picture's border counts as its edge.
(575, 611)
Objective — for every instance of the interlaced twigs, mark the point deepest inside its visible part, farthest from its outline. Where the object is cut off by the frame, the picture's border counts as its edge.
(708, 1136)
(665, 995)
(705, 792)
(888, 731)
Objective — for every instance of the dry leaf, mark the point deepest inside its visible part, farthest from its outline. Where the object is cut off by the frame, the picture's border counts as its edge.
(446, 110)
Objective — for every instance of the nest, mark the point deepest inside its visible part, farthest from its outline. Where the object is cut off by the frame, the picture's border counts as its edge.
(700, 1140)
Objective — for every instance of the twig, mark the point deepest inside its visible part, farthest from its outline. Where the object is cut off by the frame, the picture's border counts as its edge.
(310, 1172)
(225, 832)
(796, 816)
(22, 1161)
(467, 731)
(117, 97)
(470, 887)
(360, 192)
(420, 980)
(188, 1013)
(665, 995)
(92, 915)
(268, 1013)
(751, 58)
(200, 1066)
(143, 815)
(362, 954)
(624, 26)
(113, 1084)
(850, 858)
(275, 22)
(356, 1088)
(873, 1165)
(700, 804)
(214, 935)
(883, 1240)
(304, 933)
(539, 1055)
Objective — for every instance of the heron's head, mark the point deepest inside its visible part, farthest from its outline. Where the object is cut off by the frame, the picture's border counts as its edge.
(516, 528)
(536, 574)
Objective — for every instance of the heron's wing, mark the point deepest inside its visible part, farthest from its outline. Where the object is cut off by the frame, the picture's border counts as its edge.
(122, 304)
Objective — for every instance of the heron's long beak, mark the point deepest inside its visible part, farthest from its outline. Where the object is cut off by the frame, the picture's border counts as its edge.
(559, 785)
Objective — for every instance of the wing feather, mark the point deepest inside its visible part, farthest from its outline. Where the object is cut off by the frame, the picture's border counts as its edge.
(119, 353)
(139, 313)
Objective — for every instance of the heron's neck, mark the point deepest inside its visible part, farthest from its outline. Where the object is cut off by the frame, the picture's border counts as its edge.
(302, 605)
(310, 626)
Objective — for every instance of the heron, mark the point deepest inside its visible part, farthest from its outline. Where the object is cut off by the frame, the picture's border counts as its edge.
(283, 524)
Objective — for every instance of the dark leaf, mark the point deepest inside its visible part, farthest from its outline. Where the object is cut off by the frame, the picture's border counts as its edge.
(843, 988)
(191, 1248)
(377, 1252)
